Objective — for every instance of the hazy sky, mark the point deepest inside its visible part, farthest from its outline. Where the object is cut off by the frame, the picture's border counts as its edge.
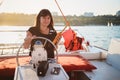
(69, 7)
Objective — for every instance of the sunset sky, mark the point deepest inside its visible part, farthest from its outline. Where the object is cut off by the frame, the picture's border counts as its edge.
(69, 7)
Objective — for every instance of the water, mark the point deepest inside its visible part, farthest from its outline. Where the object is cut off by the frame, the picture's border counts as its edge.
(101, 35)
(96, 35)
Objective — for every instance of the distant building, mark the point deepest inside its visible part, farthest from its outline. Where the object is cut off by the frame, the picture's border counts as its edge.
(54, 13)
(88, 14)
(118, 13)
(59, 24)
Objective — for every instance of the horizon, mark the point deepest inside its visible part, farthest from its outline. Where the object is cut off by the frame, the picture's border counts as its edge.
(75, 7)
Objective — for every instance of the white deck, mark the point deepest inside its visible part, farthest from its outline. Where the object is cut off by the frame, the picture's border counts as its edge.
(27, 72)
(103, 72)
(108, 69)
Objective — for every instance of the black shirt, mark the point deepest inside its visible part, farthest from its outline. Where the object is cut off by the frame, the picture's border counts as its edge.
(51, 35)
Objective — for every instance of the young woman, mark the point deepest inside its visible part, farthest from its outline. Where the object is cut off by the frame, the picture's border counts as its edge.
(43, 28)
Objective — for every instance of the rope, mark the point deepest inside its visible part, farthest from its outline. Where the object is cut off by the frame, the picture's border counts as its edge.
(58, 37)
(67, 23)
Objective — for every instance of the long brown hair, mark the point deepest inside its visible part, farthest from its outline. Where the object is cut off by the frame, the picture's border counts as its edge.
(43, 13)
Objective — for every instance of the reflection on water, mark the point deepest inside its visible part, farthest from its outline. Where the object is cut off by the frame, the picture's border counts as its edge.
(96, 35)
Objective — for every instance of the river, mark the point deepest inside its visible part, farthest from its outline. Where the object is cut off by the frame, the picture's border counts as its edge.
(97, 35)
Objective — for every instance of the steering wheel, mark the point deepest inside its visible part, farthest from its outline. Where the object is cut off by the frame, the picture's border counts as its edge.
(43, 38)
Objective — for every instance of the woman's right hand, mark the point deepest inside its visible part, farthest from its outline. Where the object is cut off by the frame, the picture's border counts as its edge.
(27, 42)
(28, 39)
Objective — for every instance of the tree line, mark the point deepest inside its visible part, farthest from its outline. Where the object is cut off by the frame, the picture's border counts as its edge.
(15, 19)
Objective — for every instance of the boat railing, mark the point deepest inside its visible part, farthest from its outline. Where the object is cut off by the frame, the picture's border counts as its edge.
(100, 48)
(11, 49)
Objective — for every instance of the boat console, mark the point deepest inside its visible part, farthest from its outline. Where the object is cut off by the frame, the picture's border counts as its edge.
(40, 67)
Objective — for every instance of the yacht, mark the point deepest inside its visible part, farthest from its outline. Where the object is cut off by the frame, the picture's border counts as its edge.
(110, 24)
(94, 63)
(89, 63)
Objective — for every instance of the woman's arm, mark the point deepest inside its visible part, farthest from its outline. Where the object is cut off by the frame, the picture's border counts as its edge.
(27, 40)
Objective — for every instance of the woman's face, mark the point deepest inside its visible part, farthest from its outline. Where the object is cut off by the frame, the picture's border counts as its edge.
(45, 21)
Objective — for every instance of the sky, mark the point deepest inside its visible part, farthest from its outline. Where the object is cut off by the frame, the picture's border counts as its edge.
(68, 7)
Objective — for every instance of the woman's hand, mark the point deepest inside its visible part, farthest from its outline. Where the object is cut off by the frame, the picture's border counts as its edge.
(28, 39)
(27, 42)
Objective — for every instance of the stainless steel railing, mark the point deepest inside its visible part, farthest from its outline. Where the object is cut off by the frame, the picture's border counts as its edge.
(9, 49)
